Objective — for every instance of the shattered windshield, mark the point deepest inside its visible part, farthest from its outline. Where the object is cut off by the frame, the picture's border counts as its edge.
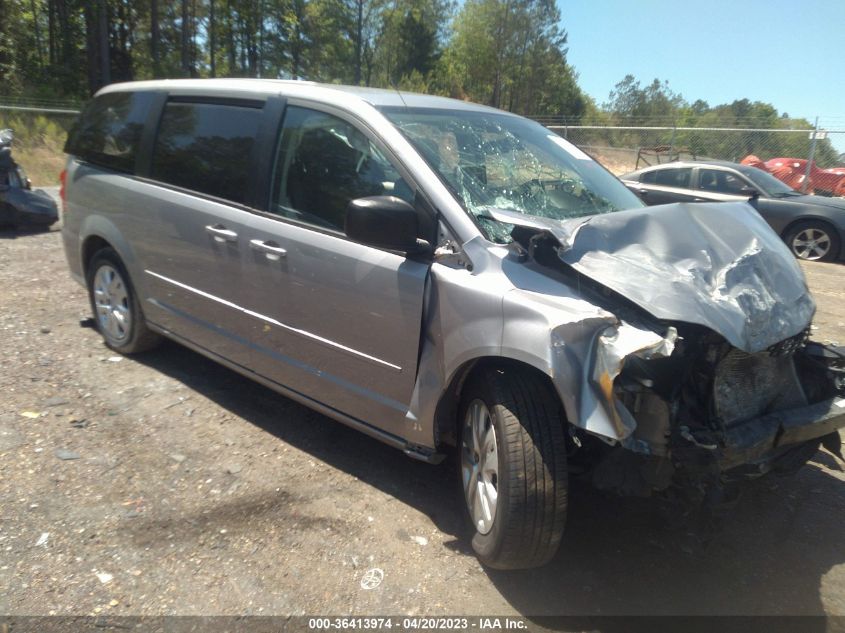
(500, 161)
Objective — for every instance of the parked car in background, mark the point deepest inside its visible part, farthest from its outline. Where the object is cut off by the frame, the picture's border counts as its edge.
(812, 226)
(447, 277)
(19, 204)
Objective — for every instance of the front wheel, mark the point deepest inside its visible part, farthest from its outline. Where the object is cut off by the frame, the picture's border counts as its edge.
(813, 241)
(513, 467)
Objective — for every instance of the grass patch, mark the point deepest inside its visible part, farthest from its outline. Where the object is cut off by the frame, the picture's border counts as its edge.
(38, 144)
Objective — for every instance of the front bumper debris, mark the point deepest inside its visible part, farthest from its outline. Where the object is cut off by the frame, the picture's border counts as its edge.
(764, 438)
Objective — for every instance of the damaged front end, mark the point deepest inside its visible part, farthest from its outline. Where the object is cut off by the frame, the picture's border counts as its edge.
(708, 376)
(710, 413)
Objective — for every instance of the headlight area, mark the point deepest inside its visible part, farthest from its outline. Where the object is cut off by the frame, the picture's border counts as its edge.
(697, 413)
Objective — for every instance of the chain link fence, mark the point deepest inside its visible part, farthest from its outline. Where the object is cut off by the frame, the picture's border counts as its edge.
(41, 127)
(625, 148)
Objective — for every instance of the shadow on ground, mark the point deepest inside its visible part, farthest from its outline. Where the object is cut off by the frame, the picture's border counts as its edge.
(12, 233)
(766, 556)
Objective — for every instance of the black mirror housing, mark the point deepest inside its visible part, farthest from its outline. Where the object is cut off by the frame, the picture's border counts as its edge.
(751, 192)
(385, 222)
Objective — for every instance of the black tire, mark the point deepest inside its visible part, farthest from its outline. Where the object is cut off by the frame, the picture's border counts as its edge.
(815, 228)
(530, 510)
(134, 338)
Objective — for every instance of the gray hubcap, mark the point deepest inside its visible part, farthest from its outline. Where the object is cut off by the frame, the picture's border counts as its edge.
(480, 466)
(811, 244)
(111, 301)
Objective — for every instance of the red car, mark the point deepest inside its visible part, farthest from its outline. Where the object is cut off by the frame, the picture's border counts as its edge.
(792, 171)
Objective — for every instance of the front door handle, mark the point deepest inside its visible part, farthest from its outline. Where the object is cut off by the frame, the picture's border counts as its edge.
(221, 233)
(273, 250)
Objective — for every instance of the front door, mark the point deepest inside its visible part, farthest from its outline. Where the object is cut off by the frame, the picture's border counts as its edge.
(338, 321)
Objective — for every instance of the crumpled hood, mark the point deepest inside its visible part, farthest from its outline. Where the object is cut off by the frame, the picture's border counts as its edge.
(719, 265)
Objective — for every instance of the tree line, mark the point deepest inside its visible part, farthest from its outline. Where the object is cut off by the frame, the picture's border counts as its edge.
(511, 54)
(507, 53)
(655, 104)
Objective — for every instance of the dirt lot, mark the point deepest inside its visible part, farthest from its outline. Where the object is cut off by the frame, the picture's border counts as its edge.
(165, 484)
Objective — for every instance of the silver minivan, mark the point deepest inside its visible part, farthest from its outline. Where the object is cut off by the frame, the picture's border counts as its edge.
(447, 277)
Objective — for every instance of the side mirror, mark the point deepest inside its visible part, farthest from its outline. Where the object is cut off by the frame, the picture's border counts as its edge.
(386, 222)
(751, 192)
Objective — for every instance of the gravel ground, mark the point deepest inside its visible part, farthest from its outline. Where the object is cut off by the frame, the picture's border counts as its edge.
(165, 484)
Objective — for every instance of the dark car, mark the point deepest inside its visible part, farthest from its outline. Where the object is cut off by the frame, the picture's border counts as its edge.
(812, 226)
(19, 204)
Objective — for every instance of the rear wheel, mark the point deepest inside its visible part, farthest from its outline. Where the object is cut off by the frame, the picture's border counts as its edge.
(115, 305)
(813, 241)
(513, 467)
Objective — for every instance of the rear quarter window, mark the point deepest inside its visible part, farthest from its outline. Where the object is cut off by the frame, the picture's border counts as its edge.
(108, 131)
(206, 147)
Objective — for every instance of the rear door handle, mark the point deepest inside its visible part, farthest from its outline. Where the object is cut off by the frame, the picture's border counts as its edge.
(273, 250)
(221, 233)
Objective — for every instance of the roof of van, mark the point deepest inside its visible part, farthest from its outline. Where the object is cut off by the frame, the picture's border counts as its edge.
(293, 88)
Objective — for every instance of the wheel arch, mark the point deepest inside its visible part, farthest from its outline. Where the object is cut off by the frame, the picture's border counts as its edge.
(99, 232)
(90, 246)
(446, 413)
(809, 218)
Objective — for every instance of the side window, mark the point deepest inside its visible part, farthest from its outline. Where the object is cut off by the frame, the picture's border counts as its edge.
(206, 147)
(677, 177)
(649, 177)
(720, 181)
(733, 184)
(109, 130)
(323, 162)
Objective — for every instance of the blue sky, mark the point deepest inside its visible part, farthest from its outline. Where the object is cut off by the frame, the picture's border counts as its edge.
(789, 54)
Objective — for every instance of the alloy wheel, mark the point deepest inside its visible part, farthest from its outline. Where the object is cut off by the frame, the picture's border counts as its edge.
(811, 244)
(480, 466)
(111, 302)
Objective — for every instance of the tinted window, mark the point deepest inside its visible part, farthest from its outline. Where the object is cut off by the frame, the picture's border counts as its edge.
(720, 181)
(322, 163)
(109, 130)
(678, 177)
(206, 147)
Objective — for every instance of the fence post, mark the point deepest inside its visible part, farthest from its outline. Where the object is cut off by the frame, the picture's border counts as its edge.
(810, 159)
(672, 140)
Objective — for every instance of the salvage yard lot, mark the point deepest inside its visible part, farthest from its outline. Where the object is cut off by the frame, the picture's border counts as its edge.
(165, 484)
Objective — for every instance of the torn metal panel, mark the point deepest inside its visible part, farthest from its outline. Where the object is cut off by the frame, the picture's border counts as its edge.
(716, 265)
(613, 346)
